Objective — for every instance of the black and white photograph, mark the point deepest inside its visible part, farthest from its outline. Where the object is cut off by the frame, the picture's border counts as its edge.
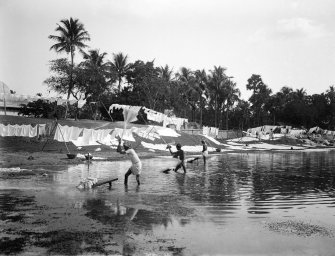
(167, 127)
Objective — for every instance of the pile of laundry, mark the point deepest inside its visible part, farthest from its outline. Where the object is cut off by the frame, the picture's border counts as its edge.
(210, 131)
(130, 114)
(88, 183)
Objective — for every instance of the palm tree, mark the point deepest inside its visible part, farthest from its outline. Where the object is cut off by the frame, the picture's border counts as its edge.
(202, 84)
(330, 94)
(96, 74)
(97, 71)
(165, 73)
(300, 94)
(258, 99)
(120, 66)
(233, 95)
(186, 81)
(72, 36)
(218, 79)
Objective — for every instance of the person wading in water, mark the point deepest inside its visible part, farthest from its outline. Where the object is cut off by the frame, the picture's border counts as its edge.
(180, 155)
(204, 151)
(136, 164)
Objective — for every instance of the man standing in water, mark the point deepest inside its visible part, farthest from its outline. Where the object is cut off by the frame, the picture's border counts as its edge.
(136, 164)
(204, 150)
(180, 155)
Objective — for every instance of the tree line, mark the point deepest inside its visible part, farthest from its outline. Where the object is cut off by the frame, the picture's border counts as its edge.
(209, 98)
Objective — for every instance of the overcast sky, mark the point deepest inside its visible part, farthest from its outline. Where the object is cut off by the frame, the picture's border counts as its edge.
(287, 42)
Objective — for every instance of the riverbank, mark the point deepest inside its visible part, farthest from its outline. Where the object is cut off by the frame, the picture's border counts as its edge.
(25, 152)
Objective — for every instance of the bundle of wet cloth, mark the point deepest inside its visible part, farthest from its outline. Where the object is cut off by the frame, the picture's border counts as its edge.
(87, 183)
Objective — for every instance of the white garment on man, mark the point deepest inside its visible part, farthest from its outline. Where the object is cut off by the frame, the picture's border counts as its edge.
(136, 167)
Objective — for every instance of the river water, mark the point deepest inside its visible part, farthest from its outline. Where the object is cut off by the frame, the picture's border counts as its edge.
(277, 203)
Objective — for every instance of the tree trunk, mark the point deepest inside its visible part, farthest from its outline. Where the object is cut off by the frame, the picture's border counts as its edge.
(200, 121)
(70, 86)
(215, 112)
(119, 86)
(227, 119)
(67, 105)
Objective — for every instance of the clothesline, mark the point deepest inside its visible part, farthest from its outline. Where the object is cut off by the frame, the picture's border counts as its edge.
(91, 137)
(22, 130)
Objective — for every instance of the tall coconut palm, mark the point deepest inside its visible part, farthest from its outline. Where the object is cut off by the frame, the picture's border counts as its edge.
(120, 66)
(218, 79)
(72, 36)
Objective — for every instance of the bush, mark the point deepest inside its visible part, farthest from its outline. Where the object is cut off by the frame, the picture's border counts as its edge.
(41, 109)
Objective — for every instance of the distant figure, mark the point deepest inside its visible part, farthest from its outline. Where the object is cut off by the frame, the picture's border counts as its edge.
(180, 155)
(204, 151)
(271, 135)
(136, 164)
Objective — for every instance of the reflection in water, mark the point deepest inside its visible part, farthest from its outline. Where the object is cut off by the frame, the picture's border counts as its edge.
(120, 217)
(231, 193)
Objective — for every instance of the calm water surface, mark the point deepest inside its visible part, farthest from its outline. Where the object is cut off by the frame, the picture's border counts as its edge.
(225, 207)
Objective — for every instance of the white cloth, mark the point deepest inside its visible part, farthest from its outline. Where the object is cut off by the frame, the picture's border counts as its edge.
(102, 134)
(165, 131)
(67, 133)
(41, 129)
(154, 115)
(18, 130)
(296, 132)
(74, 132)
(178, 122)
(125, 134)
(3, 130)
(129, 112)
(87, 183)
(87, 134)
(60, 133)
(25, 130)
(81, 103)
(32, 131)
(11, 130)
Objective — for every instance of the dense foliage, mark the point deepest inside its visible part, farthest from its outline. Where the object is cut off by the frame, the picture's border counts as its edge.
(210, 98)
(41, 109)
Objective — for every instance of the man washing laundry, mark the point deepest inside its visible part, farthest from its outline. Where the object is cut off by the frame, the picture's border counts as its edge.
(136, 164)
